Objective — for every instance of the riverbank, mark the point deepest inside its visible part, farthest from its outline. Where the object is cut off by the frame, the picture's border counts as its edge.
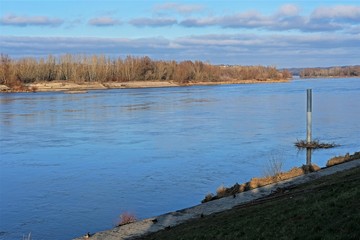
(325, 208)
(72, 87)
(165, 223)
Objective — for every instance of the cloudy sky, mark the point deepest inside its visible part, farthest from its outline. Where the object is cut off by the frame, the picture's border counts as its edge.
(305, 33)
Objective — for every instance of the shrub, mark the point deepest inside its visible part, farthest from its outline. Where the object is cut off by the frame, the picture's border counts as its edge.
(126, 218)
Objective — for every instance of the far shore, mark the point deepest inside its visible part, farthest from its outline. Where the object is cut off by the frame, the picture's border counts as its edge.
(72, 87)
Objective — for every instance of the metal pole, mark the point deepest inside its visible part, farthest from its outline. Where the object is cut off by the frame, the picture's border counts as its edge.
(309, 115)
(308, 156)
(308, 125)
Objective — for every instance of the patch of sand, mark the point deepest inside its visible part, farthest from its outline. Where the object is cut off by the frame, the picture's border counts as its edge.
(74, 87)
(65, 86)
(237, 82)
(140, 84)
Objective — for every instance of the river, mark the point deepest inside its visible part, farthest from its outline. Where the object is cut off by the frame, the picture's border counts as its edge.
(72, 163)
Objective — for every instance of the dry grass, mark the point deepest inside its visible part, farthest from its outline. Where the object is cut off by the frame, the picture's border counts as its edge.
(340, 159)
(274, 165)
(259, 182)
(274, 174)
(221, 191)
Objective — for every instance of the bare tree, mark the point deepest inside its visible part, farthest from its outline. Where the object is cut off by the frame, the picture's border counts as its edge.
(82, 68)
(5, 69)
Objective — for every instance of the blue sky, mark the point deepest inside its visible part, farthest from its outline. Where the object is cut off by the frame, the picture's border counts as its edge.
(282, 33)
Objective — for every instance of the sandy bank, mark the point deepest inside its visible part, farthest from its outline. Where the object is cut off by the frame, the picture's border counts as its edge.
(237, 82)
(71, 87)
(171, 219)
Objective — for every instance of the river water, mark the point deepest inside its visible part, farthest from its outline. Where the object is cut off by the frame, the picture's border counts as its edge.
(72, 163)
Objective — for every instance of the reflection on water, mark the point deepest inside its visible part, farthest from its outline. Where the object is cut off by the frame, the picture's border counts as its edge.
(76, 162)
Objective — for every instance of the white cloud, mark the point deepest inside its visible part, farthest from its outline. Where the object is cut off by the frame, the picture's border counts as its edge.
(153, 22)
(289, 10)
(249, 19)
(337, 12)
(323, 19)
(23, 21)
(179, 8)
(103, 21)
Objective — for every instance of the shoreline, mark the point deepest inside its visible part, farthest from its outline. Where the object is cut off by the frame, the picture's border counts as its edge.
(72, 87)
(326, 77)
(168, 220)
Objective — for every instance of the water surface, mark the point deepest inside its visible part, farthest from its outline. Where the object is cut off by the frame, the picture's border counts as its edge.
(73, 163)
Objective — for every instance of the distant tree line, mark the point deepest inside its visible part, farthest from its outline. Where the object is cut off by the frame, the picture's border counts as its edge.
(81, 68)
(348, 71)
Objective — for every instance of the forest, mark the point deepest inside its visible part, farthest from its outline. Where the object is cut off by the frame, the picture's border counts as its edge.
(99, 68)
(347, 71)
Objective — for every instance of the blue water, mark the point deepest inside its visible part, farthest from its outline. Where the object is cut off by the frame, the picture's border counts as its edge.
(72, 163)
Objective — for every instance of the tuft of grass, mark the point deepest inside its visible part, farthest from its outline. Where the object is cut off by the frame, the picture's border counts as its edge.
(221, 191)
(274, 166)
(126, 218)
(326, 208)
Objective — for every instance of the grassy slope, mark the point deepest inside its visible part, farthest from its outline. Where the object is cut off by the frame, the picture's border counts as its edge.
(327, 208)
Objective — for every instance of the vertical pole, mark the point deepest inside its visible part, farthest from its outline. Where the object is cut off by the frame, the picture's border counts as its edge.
(308, 156)
(308, 125)
(309, 115)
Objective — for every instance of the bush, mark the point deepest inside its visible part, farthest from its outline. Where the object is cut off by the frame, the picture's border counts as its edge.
(126, 218)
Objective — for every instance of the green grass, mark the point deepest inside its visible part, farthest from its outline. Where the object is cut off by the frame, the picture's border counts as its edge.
(327, 208)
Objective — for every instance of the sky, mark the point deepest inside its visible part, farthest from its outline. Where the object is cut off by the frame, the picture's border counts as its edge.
(307, 33)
